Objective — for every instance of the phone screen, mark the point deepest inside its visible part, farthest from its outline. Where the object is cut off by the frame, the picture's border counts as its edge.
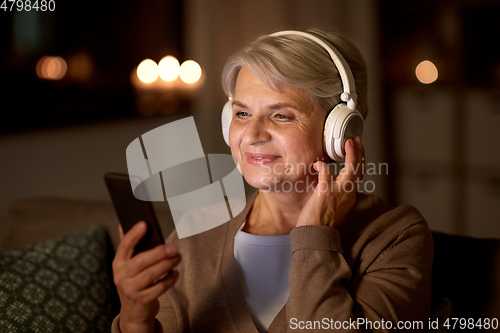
(131, 210)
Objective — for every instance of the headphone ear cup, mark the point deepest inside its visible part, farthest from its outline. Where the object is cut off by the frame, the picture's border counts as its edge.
(341, 125)
(226, 117)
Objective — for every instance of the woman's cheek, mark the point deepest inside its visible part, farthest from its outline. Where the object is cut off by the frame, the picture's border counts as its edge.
(234, 134)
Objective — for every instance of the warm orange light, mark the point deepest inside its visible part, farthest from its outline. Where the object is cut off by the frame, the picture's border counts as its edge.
(169, 68)
(80, 67)
(190, 71)
(39, 66)
(51, 68)
(426, 72)
(147, 71)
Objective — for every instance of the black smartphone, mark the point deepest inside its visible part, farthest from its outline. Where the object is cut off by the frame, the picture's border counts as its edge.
(131, 210)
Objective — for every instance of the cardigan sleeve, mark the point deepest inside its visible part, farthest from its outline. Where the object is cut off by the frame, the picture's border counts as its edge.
(115, 326)
(395, 287)
(165, 321)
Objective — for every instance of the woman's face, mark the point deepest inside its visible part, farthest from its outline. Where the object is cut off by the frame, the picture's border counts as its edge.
(275, 135)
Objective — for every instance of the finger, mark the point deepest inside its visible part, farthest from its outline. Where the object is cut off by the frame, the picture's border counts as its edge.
(351, 166)
(157, 289)
(361, 156)
(130, 239)
(120, 232)
(324, 176)
(351, 156)
(151, 257)
(153, 273)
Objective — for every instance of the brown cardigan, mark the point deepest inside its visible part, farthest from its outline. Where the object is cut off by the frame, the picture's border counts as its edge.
(376, 267)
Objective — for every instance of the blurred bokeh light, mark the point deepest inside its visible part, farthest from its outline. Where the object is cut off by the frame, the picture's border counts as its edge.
(147, 71)
(190, 71)
(426, 72)
(80, 67)
(51, 68)
(169, 68)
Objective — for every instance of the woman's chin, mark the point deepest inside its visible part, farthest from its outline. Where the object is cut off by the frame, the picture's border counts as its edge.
(272, 184)
(279, 184)
(261, 182)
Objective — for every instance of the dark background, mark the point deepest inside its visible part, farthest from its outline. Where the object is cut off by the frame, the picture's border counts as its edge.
(116, 35)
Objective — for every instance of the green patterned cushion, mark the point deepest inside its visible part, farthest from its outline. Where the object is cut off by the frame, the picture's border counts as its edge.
(61, 285)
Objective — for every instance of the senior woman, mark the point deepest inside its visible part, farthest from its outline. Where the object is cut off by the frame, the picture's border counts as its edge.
(308, 252)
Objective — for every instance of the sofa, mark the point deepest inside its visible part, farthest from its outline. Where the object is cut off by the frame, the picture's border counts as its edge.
(55, 265)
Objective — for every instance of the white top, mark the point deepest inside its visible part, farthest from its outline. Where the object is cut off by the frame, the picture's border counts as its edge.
(264, 262)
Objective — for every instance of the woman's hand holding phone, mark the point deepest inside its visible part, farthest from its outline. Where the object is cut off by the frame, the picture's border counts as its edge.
(140, 279)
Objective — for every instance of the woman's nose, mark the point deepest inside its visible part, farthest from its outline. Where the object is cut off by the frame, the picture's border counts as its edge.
(256, 132)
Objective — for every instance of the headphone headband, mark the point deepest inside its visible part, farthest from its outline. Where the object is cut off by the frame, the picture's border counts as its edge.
(349, 95)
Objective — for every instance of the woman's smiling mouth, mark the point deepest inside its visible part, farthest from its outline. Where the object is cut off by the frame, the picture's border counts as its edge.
(259, 159)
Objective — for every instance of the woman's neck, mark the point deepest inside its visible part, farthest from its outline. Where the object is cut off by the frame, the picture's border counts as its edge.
(275, 213)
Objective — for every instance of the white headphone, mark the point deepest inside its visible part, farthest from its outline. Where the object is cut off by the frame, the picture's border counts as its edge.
(343, 122)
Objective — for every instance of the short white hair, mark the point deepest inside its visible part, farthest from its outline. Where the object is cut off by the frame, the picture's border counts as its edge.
(300, 62)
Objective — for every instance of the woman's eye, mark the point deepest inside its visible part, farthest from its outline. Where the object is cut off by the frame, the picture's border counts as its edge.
(280, 116)
(242, 114)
